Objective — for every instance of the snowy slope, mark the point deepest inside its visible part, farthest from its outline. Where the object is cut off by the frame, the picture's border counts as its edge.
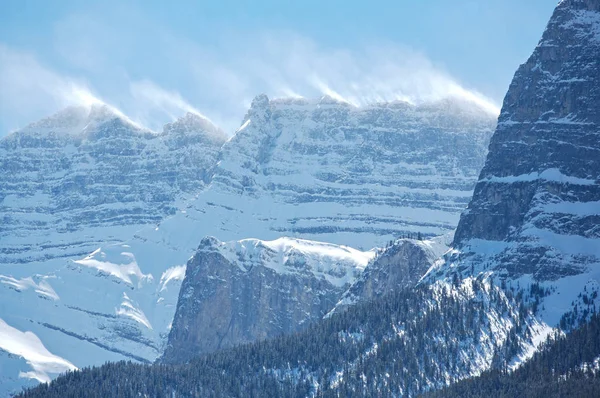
(89, 310)
(326, 171)
(29, 347)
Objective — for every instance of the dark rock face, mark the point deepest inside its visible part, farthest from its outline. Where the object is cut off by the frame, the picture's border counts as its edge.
(239, 292)
(539, 192)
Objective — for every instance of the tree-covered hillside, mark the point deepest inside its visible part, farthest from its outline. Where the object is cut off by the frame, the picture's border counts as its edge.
(401, 345)
(566, 367)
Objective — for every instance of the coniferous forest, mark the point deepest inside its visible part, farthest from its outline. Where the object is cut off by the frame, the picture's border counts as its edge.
(566, 367)
(381, 348)
(555, 371)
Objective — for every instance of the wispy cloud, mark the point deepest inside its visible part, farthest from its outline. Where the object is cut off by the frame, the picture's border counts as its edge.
(154, 104)
(31, 90)
(171, 75)
(373, 73)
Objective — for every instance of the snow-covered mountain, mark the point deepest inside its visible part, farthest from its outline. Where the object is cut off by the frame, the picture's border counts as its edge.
(86, 177)
(274, 178)
(532, 225)
(327, 171)
(319, 170)
(85, 267)
(69, 184)
(524, 258)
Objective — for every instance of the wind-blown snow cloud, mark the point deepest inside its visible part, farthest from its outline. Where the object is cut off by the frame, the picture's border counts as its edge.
(31, 90)
(173, 75)
(150, 100)
(375, 73)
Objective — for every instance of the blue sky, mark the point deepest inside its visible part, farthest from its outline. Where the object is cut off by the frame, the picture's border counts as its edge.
(155, 60)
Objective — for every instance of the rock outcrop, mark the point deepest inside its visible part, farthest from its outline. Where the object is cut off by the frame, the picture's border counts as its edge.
(249, 290)
(397, 267)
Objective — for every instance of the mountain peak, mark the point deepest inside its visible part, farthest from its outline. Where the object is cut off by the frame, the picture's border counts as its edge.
(260, 101)
(537, 194)
(259, 109)
(75, 120)
(102, 112)
(592, 5)
(66, 121)
(195, 123)
(330, 100)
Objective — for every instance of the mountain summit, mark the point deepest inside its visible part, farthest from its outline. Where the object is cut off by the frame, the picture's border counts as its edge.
(76, 120)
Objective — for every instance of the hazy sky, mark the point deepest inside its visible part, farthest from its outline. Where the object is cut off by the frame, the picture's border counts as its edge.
(155, 60)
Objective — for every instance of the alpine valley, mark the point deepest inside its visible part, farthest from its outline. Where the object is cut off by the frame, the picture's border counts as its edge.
(323, 250)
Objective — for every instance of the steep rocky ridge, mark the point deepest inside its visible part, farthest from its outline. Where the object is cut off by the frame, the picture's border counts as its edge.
(539, 191)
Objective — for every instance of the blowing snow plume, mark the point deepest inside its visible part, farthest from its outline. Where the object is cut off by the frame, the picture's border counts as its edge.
(219, 83)
(383, 73)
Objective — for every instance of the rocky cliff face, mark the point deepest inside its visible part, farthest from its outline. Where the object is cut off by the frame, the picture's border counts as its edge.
(532, 224)
(537, 203)
(243, 291)
(249, 290)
